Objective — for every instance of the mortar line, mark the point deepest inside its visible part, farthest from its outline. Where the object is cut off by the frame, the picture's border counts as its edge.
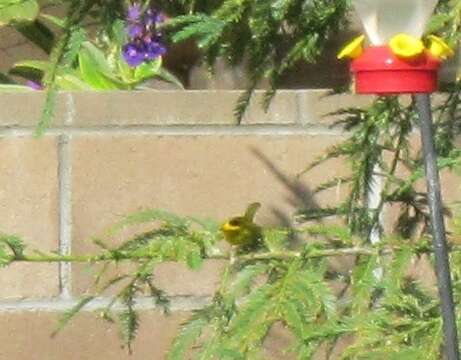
(299, 121)
(65, 213)
(180, 130)
(177, 303)
(70, 109)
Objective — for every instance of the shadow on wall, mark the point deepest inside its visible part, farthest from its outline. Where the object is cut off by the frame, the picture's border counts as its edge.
(303, 199)
(300, 196)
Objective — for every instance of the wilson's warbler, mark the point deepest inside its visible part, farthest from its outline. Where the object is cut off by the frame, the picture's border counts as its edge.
(241, 230)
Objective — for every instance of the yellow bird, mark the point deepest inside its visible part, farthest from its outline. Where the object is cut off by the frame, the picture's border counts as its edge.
(242, 231)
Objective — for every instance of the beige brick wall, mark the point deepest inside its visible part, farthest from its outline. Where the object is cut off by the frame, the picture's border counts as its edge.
(108, 154)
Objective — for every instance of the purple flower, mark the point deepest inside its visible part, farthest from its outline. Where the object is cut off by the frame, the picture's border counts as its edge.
(153, 17)
(35, 85)
(134, 12)
(145, 41)
(134, 30)
(154, 50)
(133, 54)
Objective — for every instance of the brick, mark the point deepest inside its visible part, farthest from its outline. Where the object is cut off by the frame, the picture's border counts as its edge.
(25, 51)
(283, 109)
(451, 187)
(5, 61)
(175, 279)
(203, 176)
(24, 109)
(316, 106)
(28, 207)
(9, 38)
(177, 108)
(27, 336)
(178, 280)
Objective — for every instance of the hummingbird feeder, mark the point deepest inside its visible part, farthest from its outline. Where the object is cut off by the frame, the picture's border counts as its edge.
(398, 61)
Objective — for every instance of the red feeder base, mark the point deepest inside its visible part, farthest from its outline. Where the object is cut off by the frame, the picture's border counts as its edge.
(379, 71)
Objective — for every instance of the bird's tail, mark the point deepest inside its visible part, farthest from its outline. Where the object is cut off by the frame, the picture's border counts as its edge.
(251, 211)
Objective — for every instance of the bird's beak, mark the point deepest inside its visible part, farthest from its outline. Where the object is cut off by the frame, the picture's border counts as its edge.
(228, 227)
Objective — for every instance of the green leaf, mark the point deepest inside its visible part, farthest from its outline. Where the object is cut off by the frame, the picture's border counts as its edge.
(188, 335)
(364, 282)
(395, 274)
(14, 243)
(276, 239)
(71, 82)
(252, 322)
(279, 8)
(94, 69)
(60, 22)
(194, 259)
(5, 258)
(169, 77)
(11, 248)
(40, 65)
(118, 32)
(12, 11)
(230, 354)
(147, 70)
(76, 41)
(293, 318)
(146, 216)
(30, 69)
(70, 314)
(437, 22)
(129, 324)
(245, 278)
(98, 58)
(48, 111)
(15, 88)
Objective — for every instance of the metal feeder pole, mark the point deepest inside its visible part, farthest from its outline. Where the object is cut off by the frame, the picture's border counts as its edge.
(442, 265)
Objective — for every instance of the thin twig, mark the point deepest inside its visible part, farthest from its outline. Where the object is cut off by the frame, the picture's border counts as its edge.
(278, 255)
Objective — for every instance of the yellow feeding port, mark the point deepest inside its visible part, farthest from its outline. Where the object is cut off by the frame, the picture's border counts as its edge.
(352, 50)
(439, 48)
(406, 46)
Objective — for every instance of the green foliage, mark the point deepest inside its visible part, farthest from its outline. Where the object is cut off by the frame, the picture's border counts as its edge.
(77, 61)
(446, 21)
(17, 11)
(270, 36)
(172, 238)
(71, 313)
(389, 313)
(11, 248)
(94, 68)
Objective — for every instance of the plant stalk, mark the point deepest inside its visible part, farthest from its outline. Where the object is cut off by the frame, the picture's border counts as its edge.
(276, 255)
